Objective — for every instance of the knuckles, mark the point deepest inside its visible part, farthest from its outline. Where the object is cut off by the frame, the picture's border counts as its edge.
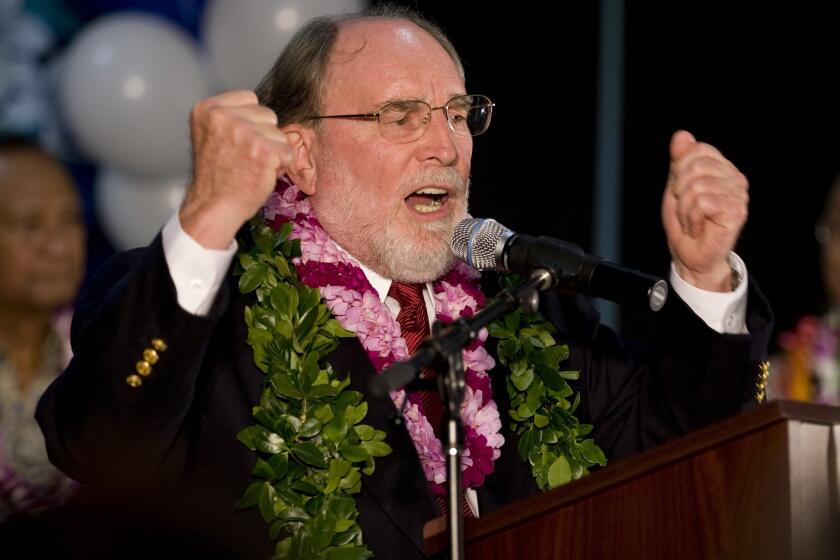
(225, 131)
(216, 120)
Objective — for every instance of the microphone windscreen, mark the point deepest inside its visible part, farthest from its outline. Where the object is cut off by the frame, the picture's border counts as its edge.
(477, 241)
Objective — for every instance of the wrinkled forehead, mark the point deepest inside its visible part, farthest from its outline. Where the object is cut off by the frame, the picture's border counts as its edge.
(383, 58)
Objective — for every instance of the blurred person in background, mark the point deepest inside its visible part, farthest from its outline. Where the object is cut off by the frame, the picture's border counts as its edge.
(42, 248)
(807, 367)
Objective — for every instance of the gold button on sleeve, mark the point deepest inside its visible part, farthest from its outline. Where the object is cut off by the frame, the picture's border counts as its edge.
(150, 356)
(159, 345)
(143, 368)
(134, 380)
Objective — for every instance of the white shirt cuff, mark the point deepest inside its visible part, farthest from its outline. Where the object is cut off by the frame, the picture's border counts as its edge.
(725, 312)
(197, 272)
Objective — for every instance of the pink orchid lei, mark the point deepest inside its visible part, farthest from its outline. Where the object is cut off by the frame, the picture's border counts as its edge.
(356, 305)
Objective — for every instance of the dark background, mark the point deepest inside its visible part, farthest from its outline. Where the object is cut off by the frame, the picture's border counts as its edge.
(755, 81)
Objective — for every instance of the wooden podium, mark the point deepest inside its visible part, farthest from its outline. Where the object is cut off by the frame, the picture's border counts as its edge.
(760, 485)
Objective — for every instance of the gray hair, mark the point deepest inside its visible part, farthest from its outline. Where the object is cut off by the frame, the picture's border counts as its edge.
(294, 86)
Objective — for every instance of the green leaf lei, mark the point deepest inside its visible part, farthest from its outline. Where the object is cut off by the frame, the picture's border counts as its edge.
(550, 436)
(312, 445)
(310, 439)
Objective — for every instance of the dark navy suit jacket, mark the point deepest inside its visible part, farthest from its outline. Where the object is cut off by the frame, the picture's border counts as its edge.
(162, 467)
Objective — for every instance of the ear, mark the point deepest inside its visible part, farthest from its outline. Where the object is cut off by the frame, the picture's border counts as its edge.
(302, 170)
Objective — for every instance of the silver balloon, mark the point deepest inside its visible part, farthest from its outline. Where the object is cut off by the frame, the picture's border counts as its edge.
(244, 38)
(128, 84)
(132, 209)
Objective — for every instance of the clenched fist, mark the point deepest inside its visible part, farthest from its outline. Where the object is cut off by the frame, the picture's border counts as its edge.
(703, 211)
(238, 153)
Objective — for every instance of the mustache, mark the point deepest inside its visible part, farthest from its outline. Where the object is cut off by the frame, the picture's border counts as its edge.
(445, 175)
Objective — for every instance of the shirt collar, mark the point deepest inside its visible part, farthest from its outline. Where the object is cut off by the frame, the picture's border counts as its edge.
(381, 284)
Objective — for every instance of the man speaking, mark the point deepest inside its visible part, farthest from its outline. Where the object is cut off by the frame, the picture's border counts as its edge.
(203, 379)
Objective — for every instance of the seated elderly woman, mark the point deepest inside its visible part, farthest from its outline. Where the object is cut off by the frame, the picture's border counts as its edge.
(42, 248)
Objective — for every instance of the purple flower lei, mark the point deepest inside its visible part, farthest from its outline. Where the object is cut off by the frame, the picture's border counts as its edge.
(356, 305)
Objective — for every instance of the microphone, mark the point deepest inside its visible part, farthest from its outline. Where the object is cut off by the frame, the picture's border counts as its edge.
(488, 245)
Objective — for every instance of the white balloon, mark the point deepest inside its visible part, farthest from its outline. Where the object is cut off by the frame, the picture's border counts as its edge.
(244, 38)
(128, 83)
(131, 209)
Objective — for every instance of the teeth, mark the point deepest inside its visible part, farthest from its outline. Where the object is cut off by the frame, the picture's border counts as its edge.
(428, 199)
(431, 190)
(426, 208)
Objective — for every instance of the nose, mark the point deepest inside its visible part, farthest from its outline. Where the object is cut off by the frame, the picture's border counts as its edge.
(439, 141)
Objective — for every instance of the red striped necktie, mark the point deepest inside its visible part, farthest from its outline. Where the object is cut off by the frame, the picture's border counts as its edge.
(414, 327)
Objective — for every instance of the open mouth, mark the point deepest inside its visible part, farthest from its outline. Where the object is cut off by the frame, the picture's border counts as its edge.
(427, 199)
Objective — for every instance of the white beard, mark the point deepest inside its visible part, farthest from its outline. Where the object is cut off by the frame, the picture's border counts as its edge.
(379, 242)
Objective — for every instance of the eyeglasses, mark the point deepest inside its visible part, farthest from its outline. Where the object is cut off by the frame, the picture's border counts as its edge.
(406, 121)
